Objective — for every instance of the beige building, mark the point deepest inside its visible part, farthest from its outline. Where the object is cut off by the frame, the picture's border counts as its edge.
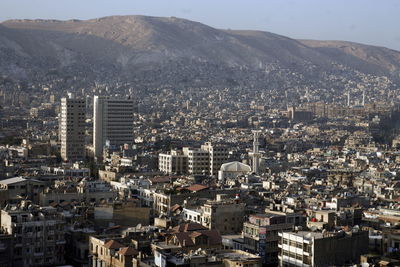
(88, 191)
(38, 235)
(224, 216)
(72, 128)
(19, 188)
(260, 235)
(108, 252)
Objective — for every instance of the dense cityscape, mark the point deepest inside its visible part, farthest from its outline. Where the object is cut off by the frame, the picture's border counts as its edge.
(199, 164)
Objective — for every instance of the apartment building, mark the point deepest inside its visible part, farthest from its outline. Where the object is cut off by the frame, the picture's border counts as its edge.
(206, 160)
(38, 234)
(174, 162)
(325, 248)
(260, 235)
(225, 216)
(88, 191)
(106, 251)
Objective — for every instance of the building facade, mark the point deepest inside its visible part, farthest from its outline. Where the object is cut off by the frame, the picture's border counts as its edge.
(260, 234)
(206, 160)
(72, 129)
(322, 248)
(174, 162)
(112, 122)
(38, 235)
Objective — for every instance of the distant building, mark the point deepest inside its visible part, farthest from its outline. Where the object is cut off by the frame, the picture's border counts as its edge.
(88, 191)
(112, 122)
(72, 129)
(206, 160)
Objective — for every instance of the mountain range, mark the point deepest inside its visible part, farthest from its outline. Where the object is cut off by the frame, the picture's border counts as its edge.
(143, 48)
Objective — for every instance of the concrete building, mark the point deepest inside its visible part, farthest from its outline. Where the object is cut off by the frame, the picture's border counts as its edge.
(38, 235)
(88, 191)
(19, 188)
(322, 248)
(110, 252)
(206, 160)
(72, 129)
(112, 122)
(198, 161)
(6, 250)
(260, 234)
(220, 258)
(174, 162)
(224, 216)
(218, 155)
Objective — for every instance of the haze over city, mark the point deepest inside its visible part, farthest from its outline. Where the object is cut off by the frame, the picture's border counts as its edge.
(199, 133)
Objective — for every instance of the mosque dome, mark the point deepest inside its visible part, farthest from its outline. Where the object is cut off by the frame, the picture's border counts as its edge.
(235, 166)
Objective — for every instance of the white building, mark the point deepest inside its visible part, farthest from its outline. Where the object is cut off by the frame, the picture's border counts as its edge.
(174, 162)
(232, 170)
(113, 122)
(205, 160)
(72, 129)
(321, 249)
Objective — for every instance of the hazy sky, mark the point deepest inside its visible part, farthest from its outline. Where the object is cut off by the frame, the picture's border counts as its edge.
(367, 21)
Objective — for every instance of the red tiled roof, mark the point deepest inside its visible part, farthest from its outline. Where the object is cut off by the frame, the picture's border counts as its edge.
(185, 238)
(112, 244)
(188, 227)
(175, 207)
(128, 251)
(196, 187)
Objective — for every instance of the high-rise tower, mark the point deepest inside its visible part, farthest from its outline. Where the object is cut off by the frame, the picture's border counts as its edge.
(112, 122)
(72, 128)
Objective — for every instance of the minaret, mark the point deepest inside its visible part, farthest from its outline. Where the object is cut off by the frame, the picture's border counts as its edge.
(287, 102)
(348, 98)
(256, 154)
(363, 98)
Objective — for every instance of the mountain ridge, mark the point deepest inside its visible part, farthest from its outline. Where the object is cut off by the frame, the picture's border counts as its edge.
(133, 45)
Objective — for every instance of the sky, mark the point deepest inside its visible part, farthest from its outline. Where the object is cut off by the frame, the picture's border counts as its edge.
(375, 22)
